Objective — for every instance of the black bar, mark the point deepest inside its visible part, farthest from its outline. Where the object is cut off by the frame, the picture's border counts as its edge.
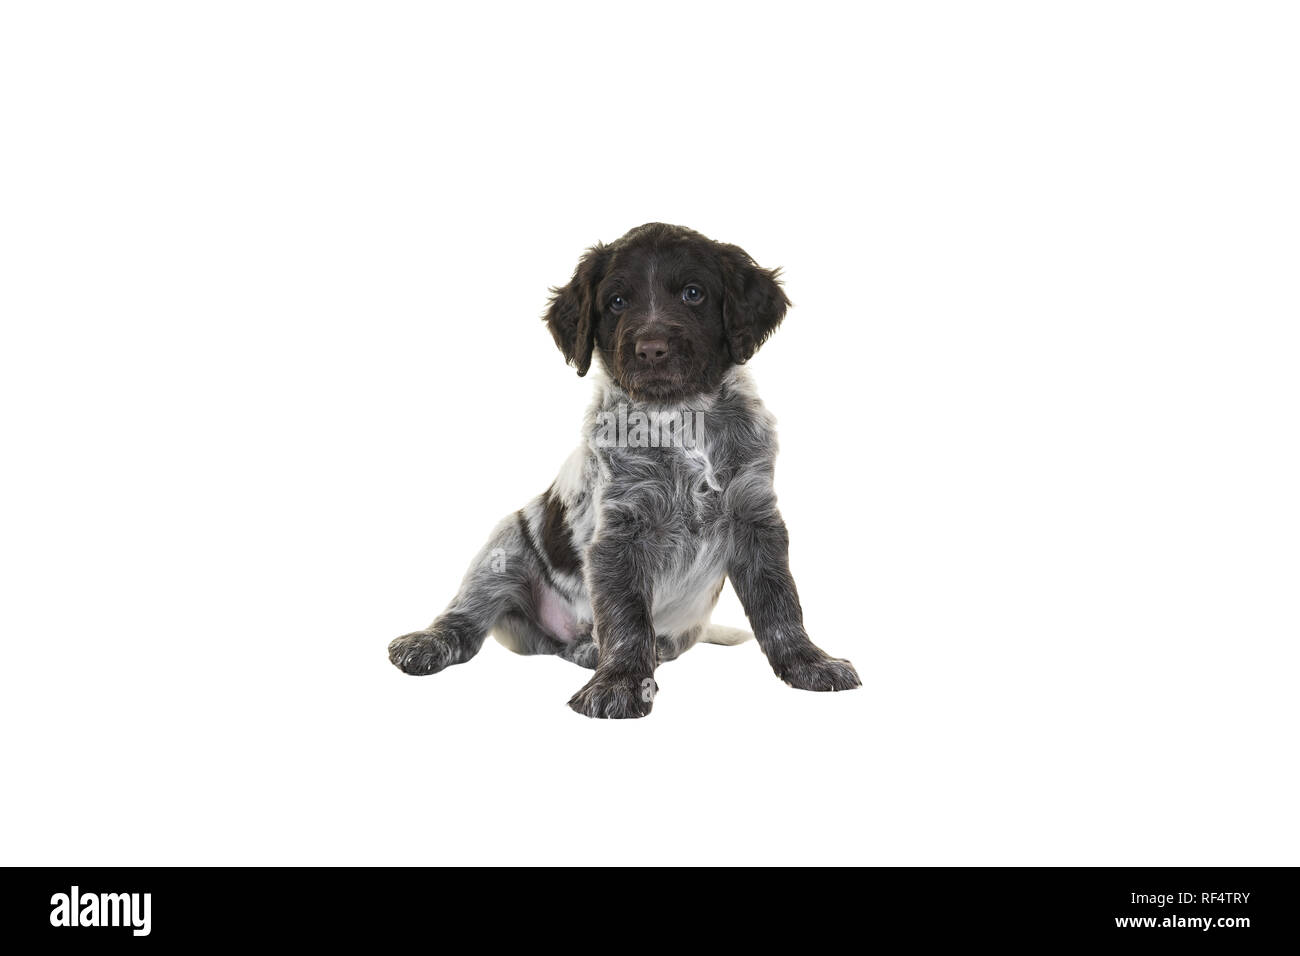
(1226, 908)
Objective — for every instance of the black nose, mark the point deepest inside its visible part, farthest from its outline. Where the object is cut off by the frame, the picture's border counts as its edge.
(653, 351)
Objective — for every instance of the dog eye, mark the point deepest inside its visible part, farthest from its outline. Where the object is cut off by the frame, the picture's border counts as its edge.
(692, 293)
(617, 303)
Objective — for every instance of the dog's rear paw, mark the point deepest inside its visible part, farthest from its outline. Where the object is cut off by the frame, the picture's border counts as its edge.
(615, 697)
(421, 652)
(816, 670)
(583, 653)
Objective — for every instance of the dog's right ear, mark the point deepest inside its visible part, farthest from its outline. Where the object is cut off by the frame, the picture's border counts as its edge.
(574, 311)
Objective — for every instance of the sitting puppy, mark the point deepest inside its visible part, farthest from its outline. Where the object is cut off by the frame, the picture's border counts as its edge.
(619, 563)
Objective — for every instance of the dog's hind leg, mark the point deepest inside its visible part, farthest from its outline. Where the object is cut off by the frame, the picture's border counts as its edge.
(518, 632)
(500, 578)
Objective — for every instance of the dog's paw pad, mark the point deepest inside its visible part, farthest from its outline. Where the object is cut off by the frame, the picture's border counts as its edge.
(819, 672)
(421, 652)
(615, 697)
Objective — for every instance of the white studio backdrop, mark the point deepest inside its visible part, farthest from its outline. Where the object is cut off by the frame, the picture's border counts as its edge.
(270, 282)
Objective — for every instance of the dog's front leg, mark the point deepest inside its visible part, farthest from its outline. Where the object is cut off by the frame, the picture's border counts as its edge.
(760, 573)
(619, 575)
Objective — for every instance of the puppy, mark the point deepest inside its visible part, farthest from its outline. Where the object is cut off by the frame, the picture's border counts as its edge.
(618, 565)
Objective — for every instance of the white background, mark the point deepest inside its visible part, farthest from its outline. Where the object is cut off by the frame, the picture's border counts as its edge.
(272, 366)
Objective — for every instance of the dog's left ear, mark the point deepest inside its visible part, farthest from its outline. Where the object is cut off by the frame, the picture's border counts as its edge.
(574, 311)
(753, 302)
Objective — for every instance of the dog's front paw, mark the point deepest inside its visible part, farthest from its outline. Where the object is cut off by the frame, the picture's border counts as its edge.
(422, 652)
(615, 696)
(814, 669)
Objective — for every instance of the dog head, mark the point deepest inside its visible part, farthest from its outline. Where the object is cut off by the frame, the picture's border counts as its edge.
(665, 311)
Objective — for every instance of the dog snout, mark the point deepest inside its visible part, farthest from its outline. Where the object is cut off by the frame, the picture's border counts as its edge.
(652, 350)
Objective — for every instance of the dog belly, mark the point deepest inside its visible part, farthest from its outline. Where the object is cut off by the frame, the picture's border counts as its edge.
(680, 606)
(556, 616)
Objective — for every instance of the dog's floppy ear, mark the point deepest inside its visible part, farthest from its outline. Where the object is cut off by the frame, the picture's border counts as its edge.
(753, 302)
(574, 311)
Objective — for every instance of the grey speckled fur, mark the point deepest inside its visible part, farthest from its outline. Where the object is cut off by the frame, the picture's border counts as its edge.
(618, 566)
